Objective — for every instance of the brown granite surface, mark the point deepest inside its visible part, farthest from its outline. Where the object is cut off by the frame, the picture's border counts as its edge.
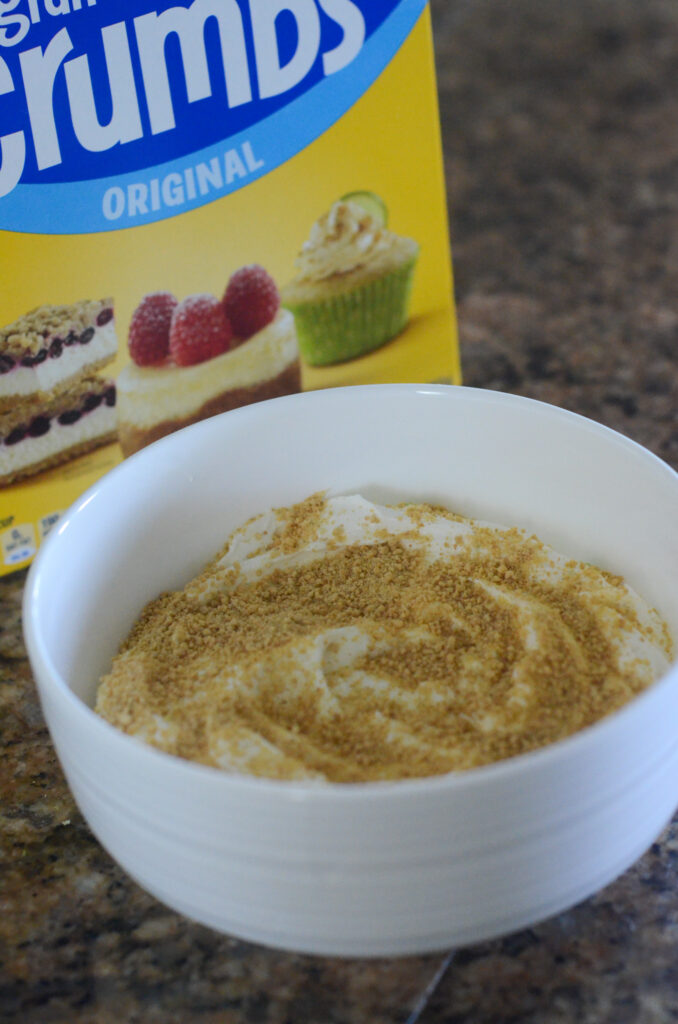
(561, 143)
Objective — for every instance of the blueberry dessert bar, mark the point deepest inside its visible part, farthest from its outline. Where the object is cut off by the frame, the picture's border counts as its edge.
(75, 420)
(52, 346)
(52, 405)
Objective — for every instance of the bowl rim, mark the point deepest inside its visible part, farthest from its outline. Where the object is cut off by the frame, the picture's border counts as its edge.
(514, 767)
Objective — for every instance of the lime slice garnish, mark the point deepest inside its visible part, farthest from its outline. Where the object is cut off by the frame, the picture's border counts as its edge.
(371, 202)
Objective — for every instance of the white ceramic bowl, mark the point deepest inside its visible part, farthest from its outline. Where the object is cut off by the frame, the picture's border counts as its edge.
(379, 868)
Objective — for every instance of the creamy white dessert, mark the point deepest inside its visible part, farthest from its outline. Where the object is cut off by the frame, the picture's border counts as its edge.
(155, 400)
(346, 641)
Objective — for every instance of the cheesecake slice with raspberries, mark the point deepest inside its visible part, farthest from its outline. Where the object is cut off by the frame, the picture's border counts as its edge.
(193, 359)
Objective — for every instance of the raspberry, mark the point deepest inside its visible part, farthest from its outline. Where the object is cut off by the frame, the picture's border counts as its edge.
(200, 330)
(149, 329)
(251, 300)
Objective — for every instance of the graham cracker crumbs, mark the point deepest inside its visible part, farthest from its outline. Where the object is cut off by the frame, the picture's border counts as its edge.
(410, 652)
(298, 523)
(28, 334)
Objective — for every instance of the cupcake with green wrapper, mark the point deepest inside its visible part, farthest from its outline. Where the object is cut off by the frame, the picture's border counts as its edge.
(352, 291)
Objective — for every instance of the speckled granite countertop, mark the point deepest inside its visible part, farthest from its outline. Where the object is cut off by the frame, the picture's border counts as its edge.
(559, 125)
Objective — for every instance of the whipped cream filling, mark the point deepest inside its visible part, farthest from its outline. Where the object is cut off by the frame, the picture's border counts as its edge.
(147, 395)
(345, 238)
(25, 380)
(347, 641)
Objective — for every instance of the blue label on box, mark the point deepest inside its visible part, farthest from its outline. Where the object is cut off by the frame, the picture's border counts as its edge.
(106, 124)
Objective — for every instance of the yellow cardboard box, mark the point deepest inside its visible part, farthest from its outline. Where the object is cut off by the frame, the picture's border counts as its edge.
(162, 152)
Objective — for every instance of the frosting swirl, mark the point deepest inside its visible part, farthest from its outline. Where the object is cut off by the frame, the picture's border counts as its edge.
(343, 239)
